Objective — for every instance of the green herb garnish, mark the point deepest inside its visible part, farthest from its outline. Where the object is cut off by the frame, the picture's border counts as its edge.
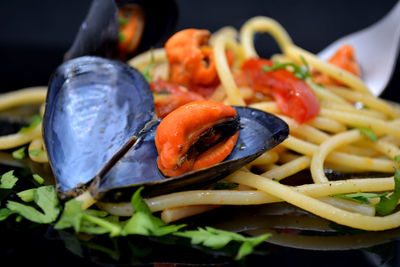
(8, 180)
(82, 221)
(26, 195)
(397, 159)
(121, 37)
(300, 72)
(38, 179)
(389, 202)
(368, 133)
(35, 120)
(217, 239)
(35, 152)
(360, 197)
(45, 197)
(122, 21)
(19, 153)
(224, 185)
(146, 71)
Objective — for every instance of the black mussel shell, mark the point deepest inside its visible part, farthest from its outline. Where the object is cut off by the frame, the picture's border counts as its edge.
(98, 34)
(94, 108)
(259, 132)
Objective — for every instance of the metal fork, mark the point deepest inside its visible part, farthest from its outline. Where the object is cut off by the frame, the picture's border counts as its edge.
(376, 49)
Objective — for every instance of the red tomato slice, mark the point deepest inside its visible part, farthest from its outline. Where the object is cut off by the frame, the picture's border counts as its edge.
(292, 95)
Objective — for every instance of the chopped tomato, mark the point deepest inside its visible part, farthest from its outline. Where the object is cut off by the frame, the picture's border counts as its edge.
(343, 58)
(292, 95)
(169, 96)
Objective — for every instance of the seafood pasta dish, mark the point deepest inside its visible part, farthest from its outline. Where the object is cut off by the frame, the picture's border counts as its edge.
(204, 122)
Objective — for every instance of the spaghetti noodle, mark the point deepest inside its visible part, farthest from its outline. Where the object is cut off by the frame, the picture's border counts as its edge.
(326, 141)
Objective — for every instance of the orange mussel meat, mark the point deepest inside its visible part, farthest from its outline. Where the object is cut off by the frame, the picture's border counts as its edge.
(194, 136)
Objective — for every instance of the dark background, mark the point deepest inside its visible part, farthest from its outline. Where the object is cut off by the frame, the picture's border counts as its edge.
(34, 35)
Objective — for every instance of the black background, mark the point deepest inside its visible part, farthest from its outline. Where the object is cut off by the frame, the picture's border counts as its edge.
(34, 35)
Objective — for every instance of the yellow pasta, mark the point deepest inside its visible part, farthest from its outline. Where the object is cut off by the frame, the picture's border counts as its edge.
(328, 141)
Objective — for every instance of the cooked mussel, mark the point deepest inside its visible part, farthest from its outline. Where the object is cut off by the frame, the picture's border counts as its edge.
(93, 106)
(121, 29)
(99, 130)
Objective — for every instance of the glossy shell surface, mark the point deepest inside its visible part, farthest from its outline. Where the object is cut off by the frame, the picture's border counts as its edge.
(94, 106)
(259, 132)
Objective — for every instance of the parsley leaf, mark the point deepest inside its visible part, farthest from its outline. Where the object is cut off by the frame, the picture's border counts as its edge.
(299, 72)
(86, 221)
(8, 180)
(224, 185)
(19, 153)
(217, 239)
(27, 195)
(46, 198)
(360, 197)
(143, 222)
(35, 120)
(4, 213)
(121, 37)
(368, 133)
(146, 71)
(389, 203)
(35, 152)
(122, 21)
(397, 159)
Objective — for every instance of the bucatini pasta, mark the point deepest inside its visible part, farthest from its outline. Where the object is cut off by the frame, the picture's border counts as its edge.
(332, 139)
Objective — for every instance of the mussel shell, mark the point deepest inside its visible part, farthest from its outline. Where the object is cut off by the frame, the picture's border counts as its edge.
(259, 132)
(98, 34)
(94, 106)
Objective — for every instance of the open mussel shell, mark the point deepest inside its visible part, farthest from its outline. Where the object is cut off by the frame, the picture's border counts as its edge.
(99, 32)
(94, 108)
(259, 132)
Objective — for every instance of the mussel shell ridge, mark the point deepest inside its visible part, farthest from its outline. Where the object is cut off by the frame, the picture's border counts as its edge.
(93, 107)
(259, 132)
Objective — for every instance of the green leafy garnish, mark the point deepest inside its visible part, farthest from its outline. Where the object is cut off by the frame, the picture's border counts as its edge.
(19, 153)
(143, 222)
(8, 180)
(388, 203)
(368, 133)
(4, 213)
(122, 21)
(146, 71)
(35, 120)
(360, 197)
(46, 198)
(397, 159)
(121, 37)
(35, 152)
(82, 221)
(217, 239)
(38, 178)
(300, 72)
(26, 195)
(224, 185)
